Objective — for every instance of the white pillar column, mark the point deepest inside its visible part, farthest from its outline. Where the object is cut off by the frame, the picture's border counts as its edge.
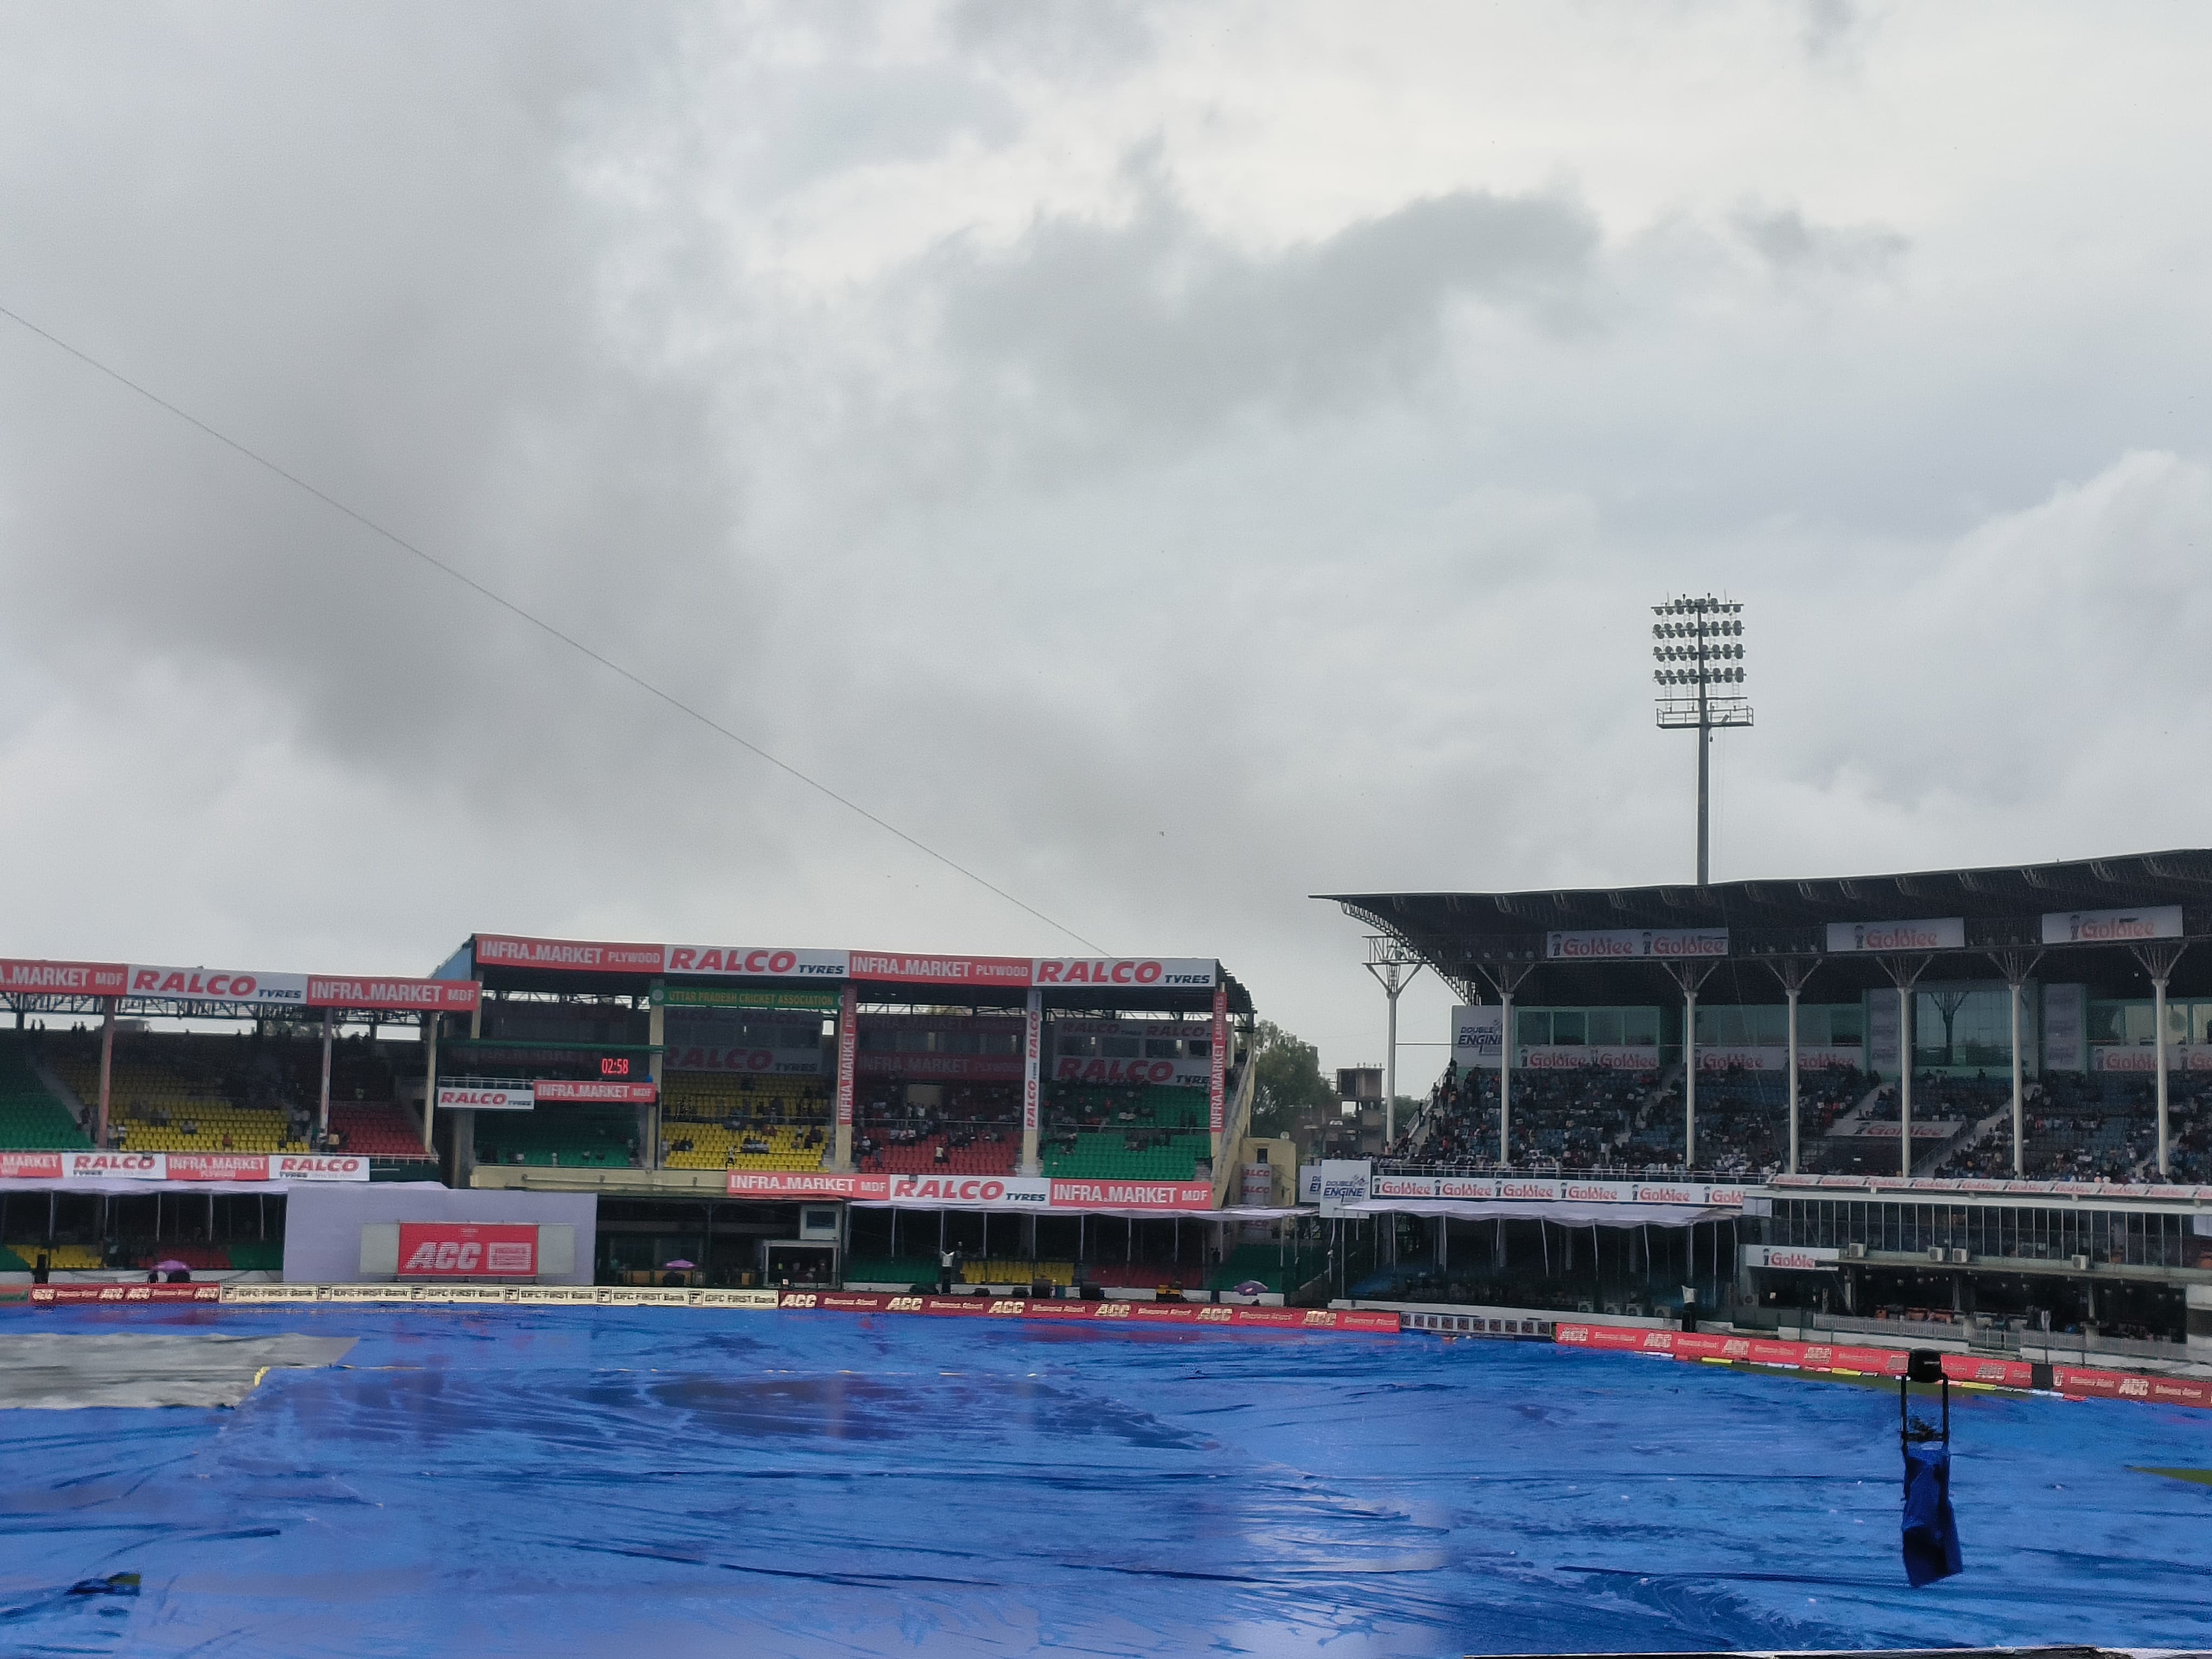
(2158, 1036)
(429, 1078)
(1791, 991)
(2018, 1156)
(1390, 1074)
(107, 1071)
(1904, 1079)
(1689, 1080)
(1506, 1083)
(1032, 1052)
(323, 1104)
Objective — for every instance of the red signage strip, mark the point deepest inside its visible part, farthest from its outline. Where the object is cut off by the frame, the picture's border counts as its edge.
(1124, 1315)
(638, 1094)
(2074, 1380)
(807, 1183)
(32, 977)
(940, 970)
(48, 1296)
(502, 951)
(2079, 1383)
(446, 1250)
(435, 995)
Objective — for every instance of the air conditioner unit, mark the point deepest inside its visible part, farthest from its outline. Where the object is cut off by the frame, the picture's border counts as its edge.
(1958, 1256)
(1939, 1254)
(2081, 1264)
(1854, 1252)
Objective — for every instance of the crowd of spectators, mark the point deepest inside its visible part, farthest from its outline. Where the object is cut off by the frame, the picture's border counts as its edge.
(1597, 1119)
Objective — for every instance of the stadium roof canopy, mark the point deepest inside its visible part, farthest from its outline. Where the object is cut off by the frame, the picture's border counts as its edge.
(508, 965)
(2065, 911)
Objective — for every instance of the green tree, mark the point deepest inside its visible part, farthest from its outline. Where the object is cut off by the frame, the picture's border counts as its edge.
(1287, 1082)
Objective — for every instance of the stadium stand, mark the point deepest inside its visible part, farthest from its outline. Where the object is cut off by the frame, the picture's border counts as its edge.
(570, 1138)
(1153, 1131)
(970, 1130)
(710, 1121)
(33, 1118)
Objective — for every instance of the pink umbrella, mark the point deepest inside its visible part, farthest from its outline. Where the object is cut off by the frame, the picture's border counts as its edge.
(678, 1262)
(171, 1267)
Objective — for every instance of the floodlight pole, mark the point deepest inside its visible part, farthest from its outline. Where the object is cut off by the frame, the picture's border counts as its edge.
(1705, 773)
(1390, 962)
(1688, 672)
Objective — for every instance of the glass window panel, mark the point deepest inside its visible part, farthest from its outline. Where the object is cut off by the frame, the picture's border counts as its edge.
(1535, 1027)
(1569, 1025)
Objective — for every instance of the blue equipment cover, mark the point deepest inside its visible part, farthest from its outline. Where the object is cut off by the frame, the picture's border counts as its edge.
(1931, 1531)
(680, 1482)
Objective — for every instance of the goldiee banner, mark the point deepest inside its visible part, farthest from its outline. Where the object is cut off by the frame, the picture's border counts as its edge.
(1633, 943)
(2112, 927)
(1937, 934)
(2141, 1058)
(1810, 1058)
(1123, 1314)
(1543, 1190)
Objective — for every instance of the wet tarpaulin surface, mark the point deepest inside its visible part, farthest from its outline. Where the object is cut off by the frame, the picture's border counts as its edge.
(74, 1370)
(686, 1482)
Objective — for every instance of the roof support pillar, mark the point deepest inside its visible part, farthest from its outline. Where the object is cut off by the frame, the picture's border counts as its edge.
(1793, 972)
(2017, 966)
(1690, 975)
(1394, 968)
(1903, 971)
(2158, 958)
(106, 1068)
(1505, 978)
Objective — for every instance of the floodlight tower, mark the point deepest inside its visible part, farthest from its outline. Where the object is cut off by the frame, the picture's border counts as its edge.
(1696, 645)
(1389, 960)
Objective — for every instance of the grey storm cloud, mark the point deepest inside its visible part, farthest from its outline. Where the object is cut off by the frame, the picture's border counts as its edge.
(1164, 539)
(1159, 320)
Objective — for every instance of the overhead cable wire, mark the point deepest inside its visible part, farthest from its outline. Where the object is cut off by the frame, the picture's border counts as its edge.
(538, 621)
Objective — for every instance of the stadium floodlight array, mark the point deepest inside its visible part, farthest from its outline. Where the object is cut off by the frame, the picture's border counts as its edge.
(1698, 664)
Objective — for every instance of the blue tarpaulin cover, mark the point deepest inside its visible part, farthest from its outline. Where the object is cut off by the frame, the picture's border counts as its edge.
(690, 1482)
(1931, 1531)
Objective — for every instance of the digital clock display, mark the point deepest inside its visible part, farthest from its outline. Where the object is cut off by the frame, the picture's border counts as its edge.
(614, 1066)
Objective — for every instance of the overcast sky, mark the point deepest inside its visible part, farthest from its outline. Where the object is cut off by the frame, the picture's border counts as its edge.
(1170, 461)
